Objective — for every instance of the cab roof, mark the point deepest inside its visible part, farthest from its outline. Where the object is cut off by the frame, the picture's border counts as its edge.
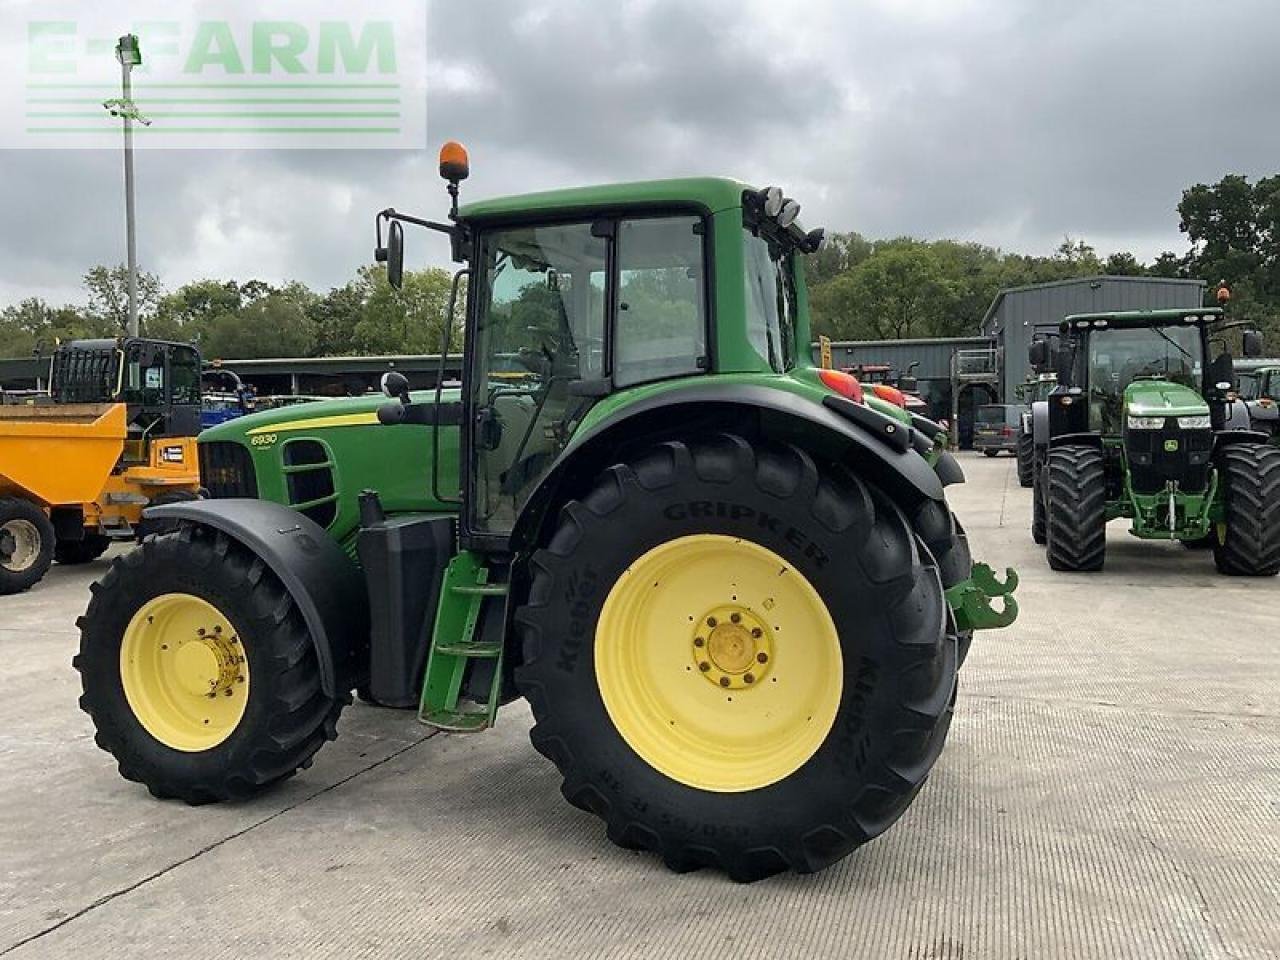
(1142, 318)
(711, 194)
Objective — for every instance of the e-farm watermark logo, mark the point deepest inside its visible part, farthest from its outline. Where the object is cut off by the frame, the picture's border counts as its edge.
(314, 74)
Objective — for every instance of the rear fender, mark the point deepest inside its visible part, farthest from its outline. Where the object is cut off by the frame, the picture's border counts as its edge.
(321, 579)
(880, 448)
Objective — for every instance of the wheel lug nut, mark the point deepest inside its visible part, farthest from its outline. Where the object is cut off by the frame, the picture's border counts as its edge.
(762, 657)
(756, 633)
(724, 681)
(748, 678)
(704, 666)
(736, 617)
(200, 632)
(698, 641)
(711, 621)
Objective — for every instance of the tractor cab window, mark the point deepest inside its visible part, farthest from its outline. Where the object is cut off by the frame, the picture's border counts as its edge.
(1118, 356)
(661, 329)
(540, 327)
(184, 376)
(771, 302)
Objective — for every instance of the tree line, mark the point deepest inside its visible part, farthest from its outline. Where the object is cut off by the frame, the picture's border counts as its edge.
(864, 289)
(228, 319)
(860, 289)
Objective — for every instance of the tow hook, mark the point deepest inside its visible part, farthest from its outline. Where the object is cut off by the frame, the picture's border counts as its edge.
(971, 600)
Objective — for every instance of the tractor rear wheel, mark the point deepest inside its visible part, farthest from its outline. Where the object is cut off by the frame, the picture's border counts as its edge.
(1250, 475)
(1076, 508)
(198, 672)
(72, 553)
(26, 544)
(737, 657)
(1026, 458)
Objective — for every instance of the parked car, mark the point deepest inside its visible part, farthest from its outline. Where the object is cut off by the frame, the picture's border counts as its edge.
(996, 428)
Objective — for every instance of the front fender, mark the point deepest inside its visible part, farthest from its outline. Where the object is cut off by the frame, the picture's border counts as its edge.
(323, 581)
(881, 448)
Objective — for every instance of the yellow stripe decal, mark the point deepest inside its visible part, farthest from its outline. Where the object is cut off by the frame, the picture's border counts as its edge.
(318, 423)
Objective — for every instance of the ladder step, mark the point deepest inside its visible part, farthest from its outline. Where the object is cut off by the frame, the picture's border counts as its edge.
(481, 590)
(457, 721)
(489, 650)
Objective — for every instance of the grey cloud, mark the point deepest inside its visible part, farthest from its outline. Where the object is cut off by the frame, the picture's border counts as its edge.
(1008, 122)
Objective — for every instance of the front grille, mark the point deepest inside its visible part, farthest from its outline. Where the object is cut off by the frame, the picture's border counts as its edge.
(1151, 465)
(226, 470)
(309, 479)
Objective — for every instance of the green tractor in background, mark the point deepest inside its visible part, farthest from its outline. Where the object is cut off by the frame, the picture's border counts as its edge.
(1143, 425)
(1030, 453)
(1260, 393)
(728, 583)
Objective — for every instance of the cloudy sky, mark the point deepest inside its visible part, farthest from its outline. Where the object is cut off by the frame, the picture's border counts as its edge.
(1011, 122)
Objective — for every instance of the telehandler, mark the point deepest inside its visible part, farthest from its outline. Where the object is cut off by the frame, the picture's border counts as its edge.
(77, 467)
(728, 582)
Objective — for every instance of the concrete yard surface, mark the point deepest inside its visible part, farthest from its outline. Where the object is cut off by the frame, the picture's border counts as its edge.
(1111, 788)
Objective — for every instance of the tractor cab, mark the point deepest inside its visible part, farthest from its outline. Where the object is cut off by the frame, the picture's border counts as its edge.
(158, 381)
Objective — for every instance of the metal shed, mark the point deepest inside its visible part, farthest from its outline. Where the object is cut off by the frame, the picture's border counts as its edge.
(1017, 314)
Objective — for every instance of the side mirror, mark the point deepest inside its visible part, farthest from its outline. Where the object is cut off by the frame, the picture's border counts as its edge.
(1222, 371)
(395, 254)
(396, 385)
(1253, 344)
(1038, 353)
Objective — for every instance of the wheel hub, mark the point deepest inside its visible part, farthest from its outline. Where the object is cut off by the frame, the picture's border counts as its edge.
(732, 647)
(19, 545)
(184, 672)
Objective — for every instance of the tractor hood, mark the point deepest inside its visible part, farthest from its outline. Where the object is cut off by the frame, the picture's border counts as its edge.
(1162, 398)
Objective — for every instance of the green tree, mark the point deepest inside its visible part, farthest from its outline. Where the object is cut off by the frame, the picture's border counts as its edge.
(108, 289)
(1123, 264)
(409, 320)
(274, 325)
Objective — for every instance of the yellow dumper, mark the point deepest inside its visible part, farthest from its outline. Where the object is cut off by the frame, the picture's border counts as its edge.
(115, 435)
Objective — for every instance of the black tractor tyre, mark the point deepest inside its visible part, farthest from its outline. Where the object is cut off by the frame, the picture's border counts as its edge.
(1026, 459)
(26, 544)
(1039, 533)
(72, 553)
(884, 594)
(944, 536)
(1250, 475)
(1076, 508)
(158, 528)
(287, 716)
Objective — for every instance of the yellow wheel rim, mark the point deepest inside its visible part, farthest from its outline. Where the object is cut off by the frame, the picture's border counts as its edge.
(184, 672)
(718, 663)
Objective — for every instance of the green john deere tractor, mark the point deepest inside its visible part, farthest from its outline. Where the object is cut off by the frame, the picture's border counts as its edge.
(1143, 425)
(728, 583)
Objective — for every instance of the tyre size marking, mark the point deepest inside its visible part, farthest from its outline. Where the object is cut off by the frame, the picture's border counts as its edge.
(577, 596)
(700, 509)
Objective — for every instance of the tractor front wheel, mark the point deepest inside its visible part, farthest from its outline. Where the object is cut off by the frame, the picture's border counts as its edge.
(26, 544)
(737, 657)
(1039, 531)
(1076, 508)
(198, 672)
(1026, 458)
(1250, 476)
